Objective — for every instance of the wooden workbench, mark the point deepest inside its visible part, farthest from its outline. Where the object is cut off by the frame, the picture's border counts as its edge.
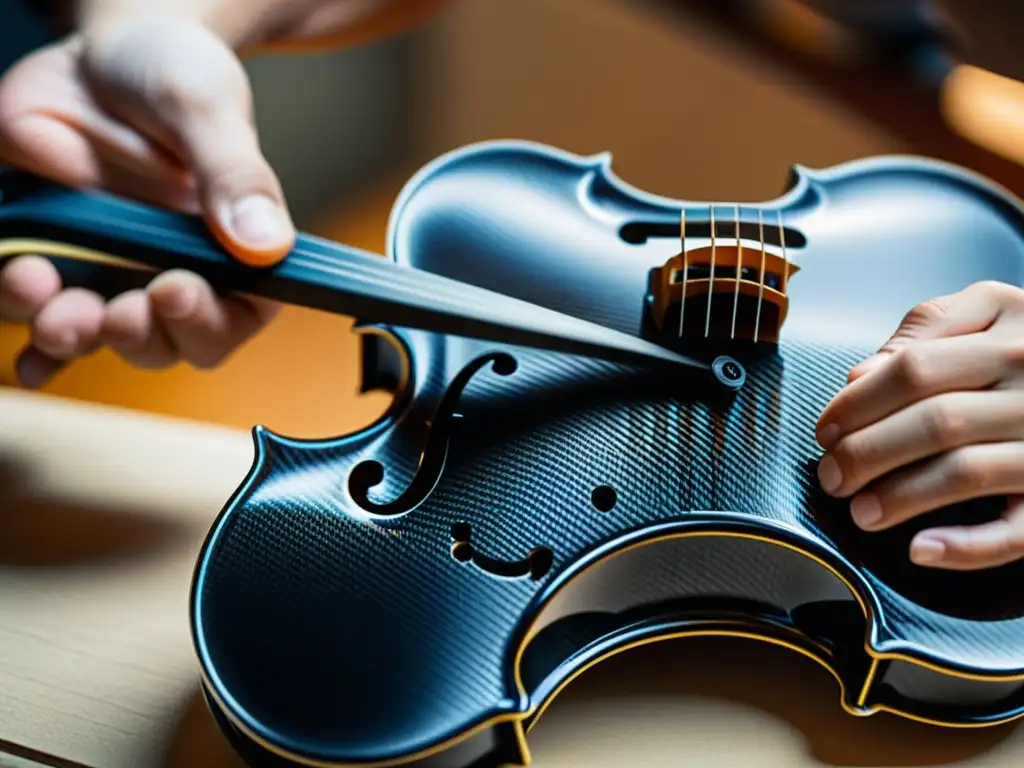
(102, 512)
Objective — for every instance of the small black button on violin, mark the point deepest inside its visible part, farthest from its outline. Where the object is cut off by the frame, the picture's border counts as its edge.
(418, 592)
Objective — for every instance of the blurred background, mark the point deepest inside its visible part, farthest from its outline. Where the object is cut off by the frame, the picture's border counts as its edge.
(697, 100)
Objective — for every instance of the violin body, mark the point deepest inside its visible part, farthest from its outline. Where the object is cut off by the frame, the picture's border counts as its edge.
(418, 592)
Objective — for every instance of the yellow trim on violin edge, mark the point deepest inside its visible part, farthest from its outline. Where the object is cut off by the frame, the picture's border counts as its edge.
(44, 248)
(535, 710)
(688, 633)
(34, 247)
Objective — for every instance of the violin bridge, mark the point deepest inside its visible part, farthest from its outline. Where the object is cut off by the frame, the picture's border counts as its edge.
(724, 290)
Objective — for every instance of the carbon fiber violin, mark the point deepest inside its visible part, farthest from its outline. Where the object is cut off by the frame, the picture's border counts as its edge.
(418, 592)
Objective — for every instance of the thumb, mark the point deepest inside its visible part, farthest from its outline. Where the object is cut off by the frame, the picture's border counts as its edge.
(200, 102)
(239, 193)
(956, 314)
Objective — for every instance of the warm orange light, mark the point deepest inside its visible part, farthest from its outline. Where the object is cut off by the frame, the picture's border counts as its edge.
(987, 109)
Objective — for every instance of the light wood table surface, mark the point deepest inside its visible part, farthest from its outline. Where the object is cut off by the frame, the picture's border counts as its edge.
(102, 512)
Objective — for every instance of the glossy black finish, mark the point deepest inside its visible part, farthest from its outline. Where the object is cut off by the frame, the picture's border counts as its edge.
(353, 605)
(416, 592)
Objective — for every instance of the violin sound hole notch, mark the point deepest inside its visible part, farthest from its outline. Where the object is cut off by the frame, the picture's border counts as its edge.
(382, 367)
(604, 498)
(535, 565)
(639, 232)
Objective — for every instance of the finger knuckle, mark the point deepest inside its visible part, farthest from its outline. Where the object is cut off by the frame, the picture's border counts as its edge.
(944, 421)
(170, 94)
(201, 85)
(999, 292)
(176, 278)
(854, 454)
(998, 546)
(967, 473)
(926, 312)
(1013, 353)
(913, 367)
(82, 296)
(976, 551)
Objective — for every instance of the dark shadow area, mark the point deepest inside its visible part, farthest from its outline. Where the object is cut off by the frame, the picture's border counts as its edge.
(774, 680)
(197, 742)
(42, 531)
(973, 595)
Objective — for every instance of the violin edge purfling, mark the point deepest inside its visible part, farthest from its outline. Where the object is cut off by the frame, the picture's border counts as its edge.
(430, 520)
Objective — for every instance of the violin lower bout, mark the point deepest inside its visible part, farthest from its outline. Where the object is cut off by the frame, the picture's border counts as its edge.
(417, 593)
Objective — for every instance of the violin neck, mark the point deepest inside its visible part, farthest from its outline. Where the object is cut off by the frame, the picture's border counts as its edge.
(108, 244)
(61, 223)
(82, 232)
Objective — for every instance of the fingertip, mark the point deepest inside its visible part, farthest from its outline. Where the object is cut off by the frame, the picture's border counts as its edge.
(69, 325)
(176, 294)
(827, 434)
(34, 368)
(27, 283)
(927, 549)
(865, 367)
(126, 321)
(257, 230)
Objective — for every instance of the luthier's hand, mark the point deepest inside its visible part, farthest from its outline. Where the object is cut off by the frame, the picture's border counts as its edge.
(148, 99)
(937, 417)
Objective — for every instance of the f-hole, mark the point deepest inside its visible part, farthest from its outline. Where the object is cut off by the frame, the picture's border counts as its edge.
(535, 565)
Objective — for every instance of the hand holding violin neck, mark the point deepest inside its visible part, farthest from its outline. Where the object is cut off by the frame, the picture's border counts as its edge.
(71, 226)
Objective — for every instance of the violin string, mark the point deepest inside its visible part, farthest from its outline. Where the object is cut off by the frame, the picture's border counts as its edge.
(374, 277)
(368, 276)
(711, 276)
(739, 273)
(686, 269)
(785, 258)
(760, 288)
